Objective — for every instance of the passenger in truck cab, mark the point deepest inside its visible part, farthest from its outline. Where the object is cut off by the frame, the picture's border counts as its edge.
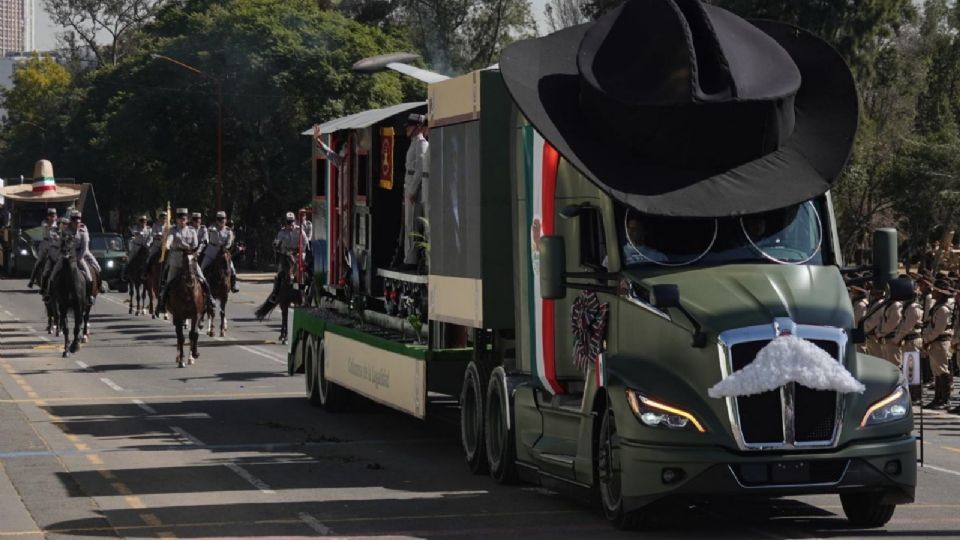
(635, 250)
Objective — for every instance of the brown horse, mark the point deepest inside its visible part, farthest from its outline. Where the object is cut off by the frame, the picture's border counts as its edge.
(218, 278)
(186, 302)
(138, 283)
(152, 284)
(288, 294)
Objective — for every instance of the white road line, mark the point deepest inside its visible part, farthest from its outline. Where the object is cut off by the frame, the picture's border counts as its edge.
(144, 406)
(941, 469)
(39, 335)
(7, 313)
(118, 302)
(111, 384)
(315, 524)
(82, 365)
(263, 354)
(183, 434)
(251, 479)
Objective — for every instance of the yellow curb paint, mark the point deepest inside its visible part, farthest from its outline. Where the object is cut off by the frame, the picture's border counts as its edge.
(135, 502)
(151, 520)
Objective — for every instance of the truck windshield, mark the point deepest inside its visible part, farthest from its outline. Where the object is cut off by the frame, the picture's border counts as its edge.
(106, 243)
(791, 235)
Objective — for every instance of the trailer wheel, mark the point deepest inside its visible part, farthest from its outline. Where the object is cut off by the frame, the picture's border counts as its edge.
(608, 475)
(866, 510)
(333, 397)
(310, 369)
(499, 433)
(471, 417)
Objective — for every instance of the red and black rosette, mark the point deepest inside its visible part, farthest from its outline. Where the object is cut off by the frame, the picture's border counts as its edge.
(588, 322)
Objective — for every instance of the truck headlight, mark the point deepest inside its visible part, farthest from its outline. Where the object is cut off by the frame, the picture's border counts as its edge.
(655, 414)
(893, 407)
(109, 264)
(23, 252)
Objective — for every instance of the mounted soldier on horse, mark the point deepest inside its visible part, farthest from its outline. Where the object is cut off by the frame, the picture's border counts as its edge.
(141, 239)
(291, 245)
(218, 263)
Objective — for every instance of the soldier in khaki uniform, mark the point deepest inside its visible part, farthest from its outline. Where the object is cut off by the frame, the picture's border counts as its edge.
(887, 331)
(858, 296)
(872, 323)
(937, 335)
(909, 334)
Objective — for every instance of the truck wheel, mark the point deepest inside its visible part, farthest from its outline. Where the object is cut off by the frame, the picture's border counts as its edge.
(499, 438)
(866, 510)
(608, 476)
(333, 397)
(471, 417)
(308, 343)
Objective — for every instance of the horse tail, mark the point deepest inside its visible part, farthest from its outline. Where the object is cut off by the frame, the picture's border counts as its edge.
(265, 309)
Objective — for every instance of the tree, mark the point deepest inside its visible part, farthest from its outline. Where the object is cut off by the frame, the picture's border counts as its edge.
(90, 19)
(38, 106)
(561, 14)
(596, 8)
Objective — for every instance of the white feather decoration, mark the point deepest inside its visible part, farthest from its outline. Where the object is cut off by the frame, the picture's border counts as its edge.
(784, 360)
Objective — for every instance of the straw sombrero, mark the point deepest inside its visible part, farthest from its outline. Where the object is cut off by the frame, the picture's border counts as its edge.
(43, 188)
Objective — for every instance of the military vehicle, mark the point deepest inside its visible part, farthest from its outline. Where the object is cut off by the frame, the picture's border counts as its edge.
(634, 285)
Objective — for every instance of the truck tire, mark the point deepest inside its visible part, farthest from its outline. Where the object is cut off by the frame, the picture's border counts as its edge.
(309, 347)
(333, 397)
(471, 416)
(608, 476)
(865, 509)
(499, 435)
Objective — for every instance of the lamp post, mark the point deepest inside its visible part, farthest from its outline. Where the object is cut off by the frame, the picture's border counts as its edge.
(219, 87)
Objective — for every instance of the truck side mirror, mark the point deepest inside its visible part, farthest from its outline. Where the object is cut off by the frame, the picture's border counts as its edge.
(665, 296)
(884, 256)
(901, 290)
(553, 266)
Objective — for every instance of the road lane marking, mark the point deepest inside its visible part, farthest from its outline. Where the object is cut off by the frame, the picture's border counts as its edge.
(83, 365)
(952, 449)
(315, 524)
(111, 384)
(94, 459)
(151, 520)
(144, 406)
(238, 470)
(941, 469)
(134, 502)
(262, 353)
(172, 397)
(39, 335)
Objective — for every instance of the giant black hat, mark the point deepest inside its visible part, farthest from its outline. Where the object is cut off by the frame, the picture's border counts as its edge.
(683, 109)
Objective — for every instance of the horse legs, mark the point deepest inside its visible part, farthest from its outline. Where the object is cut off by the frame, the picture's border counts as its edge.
(77, 326)
(66, 332)
(283, 324)
(133, 294)
(223, 317)
(194, 337)
(179, 326)
(86, 324)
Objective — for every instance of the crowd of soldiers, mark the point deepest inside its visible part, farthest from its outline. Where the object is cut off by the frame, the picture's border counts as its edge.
(58, 235)
(927, 324)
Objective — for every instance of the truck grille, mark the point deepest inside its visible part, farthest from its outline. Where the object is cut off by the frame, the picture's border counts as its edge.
(761, 417)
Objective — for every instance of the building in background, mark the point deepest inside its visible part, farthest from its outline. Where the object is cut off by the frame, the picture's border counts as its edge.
(17, 21)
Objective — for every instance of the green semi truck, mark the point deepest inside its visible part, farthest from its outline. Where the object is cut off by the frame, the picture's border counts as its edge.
(615, 322)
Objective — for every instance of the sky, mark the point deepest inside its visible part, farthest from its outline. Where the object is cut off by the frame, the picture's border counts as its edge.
(46, 37)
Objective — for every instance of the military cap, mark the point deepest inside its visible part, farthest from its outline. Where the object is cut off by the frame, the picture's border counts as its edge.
(182, 212)
(291, 216)
(51, 211)
(943, 286)
(416, 119)
(221, 214)
(75, 214)
(196, 215)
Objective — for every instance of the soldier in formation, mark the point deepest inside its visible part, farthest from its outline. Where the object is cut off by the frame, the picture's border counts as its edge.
(221, 239)
(414, 188)
(287, 243)
(49, 243)
(937, 338)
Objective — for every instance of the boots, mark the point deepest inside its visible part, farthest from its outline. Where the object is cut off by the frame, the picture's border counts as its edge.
(209, 303)
(937, 393)
(947, 389)
(233, 283)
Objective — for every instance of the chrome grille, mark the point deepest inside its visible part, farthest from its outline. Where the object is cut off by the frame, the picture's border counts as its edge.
(792, 416)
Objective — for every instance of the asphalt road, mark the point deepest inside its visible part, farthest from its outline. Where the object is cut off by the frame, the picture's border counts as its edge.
(116, 441)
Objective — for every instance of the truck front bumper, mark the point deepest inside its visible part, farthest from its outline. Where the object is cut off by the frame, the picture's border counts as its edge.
(651, 472)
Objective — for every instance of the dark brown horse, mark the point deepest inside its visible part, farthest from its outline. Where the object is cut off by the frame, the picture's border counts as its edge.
(68, 286)
(288, 294)
(138, 283)
(218, 278)
(151, 281)
(185, 301)
(93, 290)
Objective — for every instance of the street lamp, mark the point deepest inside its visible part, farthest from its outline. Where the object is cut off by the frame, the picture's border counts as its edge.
(219, 87)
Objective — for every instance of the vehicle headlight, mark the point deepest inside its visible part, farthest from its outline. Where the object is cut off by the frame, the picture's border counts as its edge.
(655, 414)
(109, 264)
(893, 407)
(23, 252)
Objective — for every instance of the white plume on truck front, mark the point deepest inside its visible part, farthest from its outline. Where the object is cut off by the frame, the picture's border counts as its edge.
(784, 360)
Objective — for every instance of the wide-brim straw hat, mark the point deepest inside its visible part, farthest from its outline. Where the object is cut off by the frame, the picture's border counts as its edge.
(679, 108)
(44, 187)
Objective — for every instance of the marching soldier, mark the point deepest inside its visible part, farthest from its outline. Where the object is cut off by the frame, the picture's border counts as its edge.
(413, 184)
(49, 241)
(871, 323)
(908, 334)
(887, 330)
(182, 237)
(287, 243)
(937, 335)
(221, 238)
